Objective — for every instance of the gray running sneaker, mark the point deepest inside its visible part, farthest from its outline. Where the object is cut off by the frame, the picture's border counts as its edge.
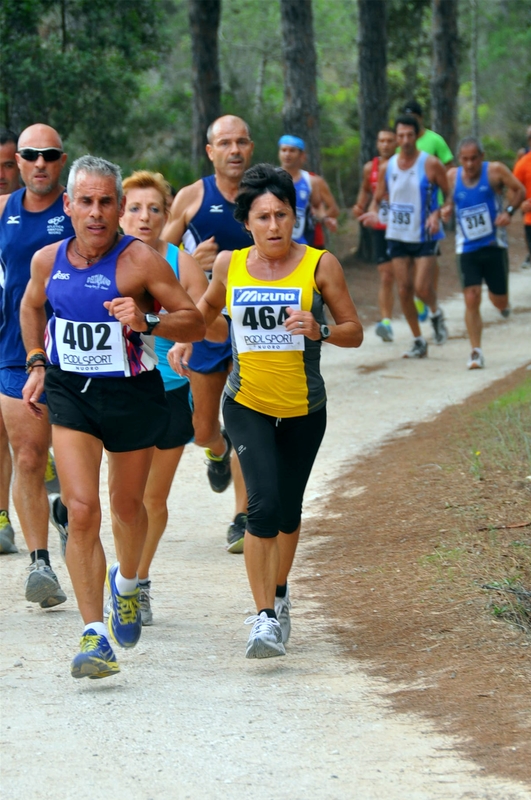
(282, 607)
(476, 360)
(419, 349)
(218, 467)
(51, 480)
(42, 586)
(7, 535)
(60, 528)
(265, 639)
(385, 331)
(440, 331)
(144, 599)
(526, 263)
(236, 534)
(506, 312)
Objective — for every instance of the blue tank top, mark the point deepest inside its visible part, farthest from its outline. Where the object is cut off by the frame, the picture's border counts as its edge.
(81, 336)
(169, 377)
(215, 217)
(303, 193)
(22, 233)
(476, 209)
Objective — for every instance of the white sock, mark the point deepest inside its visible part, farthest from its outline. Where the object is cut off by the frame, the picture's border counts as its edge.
(435, 313)
(99, 627)
(144, 581)
(125, 585)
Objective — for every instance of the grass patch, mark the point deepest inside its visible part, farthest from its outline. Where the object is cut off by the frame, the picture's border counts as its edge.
(493, 456)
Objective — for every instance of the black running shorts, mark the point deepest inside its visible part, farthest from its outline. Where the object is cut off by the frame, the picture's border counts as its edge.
(379, 246)
(180, 429)
(489, 264)
(396, 249)
(125, 413)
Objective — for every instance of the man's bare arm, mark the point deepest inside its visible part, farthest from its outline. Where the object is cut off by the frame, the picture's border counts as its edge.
(33, 323)
(501, 177)
(364, 194)
(185, 205)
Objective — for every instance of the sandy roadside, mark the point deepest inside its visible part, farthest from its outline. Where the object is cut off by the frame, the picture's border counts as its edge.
(188, 716)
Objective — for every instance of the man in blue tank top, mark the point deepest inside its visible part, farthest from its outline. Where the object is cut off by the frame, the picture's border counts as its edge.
(9, 182)
(30, 218)
(202, 219)
(311, 205)
(103, 391)
(476, 189)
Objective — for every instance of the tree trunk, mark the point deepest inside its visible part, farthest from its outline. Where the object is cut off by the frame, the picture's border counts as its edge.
(372, 99)
(445, 73)
(474, 65)
(300, 115)
(204, 22)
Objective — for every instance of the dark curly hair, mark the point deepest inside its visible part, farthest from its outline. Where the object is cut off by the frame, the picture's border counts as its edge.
(261, 179)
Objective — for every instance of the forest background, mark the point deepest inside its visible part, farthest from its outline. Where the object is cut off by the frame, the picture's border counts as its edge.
(115, 78)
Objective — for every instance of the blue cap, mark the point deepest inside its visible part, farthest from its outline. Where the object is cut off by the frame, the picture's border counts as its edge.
(292, 141)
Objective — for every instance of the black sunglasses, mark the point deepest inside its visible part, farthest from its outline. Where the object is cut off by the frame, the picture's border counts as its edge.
(33, 153)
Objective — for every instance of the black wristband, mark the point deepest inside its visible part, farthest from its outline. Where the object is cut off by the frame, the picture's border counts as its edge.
(510, 210)
(36, 359)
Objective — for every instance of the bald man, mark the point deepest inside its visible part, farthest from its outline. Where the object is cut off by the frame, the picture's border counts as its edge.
(202, 218)
(30, 218)
(9, 182)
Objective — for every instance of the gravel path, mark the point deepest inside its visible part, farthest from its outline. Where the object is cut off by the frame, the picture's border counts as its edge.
(189, 716)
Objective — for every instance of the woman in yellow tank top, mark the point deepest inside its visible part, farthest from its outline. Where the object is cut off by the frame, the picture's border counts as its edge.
(274, 405)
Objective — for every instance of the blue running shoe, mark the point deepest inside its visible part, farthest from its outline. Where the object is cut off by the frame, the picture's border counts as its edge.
(422, 310)
(125, 618)
(385, 331)
(96, 658)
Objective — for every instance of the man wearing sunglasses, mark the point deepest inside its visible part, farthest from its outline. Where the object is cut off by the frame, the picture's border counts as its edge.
(30, 218)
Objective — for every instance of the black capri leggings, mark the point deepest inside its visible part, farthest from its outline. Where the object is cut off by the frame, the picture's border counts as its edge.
(276, 457)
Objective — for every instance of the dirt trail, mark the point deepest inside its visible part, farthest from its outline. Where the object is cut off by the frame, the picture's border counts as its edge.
(188, 716)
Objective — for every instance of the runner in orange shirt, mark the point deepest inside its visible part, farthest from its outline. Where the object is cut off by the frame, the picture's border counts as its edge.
(522, 171)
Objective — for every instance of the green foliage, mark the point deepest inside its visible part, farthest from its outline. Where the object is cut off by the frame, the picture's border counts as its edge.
(115, 78)
(504, 70)
(75, 65)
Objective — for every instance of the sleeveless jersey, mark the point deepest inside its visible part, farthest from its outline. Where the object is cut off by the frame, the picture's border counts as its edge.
(412, 198)
(303, 192)
(22, 233)
(476, 209)
(170, 378)
(275, 372)
(81, 336)
(215, 217)
(383, 211)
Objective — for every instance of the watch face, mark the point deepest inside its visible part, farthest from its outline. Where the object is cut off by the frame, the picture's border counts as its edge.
(152, 319)
(325, 331)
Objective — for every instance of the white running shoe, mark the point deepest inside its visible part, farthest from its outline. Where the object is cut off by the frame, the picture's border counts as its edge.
(282, 607)
(476, 360)
(265, 639)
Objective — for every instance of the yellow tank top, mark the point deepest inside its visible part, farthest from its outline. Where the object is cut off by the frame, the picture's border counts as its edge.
(274, 372)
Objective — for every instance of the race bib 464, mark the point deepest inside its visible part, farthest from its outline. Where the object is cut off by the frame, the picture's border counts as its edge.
(258, 317)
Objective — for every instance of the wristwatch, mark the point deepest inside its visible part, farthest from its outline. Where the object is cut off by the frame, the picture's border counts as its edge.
(510, 210)
(151, 321)
(325, 332)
